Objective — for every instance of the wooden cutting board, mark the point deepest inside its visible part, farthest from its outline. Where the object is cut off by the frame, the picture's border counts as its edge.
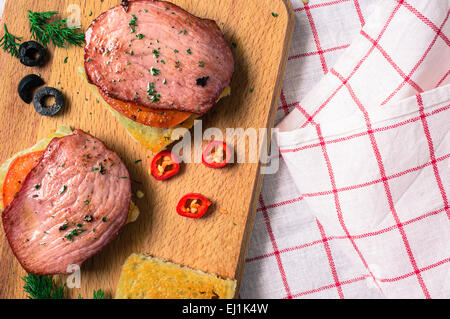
(217, 243)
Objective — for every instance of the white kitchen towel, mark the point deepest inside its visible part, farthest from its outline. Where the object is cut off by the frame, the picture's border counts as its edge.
(368, 148)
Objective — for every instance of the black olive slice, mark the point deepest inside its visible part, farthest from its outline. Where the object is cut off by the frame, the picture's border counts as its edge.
(32, 53)
(27, 86)
(45, 93)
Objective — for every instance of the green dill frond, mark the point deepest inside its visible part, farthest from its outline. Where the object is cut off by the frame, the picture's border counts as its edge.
(42, 287)
(10, 43)
(99, 294)
(57, 32)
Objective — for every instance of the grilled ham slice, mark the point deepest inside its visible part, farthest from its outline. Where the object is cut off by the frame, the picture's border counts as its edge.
(71, 205)
(158, 56)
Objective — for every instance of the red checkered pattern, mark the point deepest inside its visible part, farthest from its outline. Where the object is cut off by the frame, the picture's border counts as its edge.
(360, 205)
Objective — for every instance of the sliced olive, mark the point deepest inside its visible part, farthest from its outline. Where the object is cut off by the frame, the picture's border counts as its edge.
(27, 86)
(32, 53)
(42, 96)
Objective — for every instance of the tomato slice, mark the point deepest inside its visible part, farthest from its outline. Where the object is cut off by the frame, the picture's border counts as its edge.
(193, 205)
(17, 172)
(146, 116)
(164, 165)
(216, 155)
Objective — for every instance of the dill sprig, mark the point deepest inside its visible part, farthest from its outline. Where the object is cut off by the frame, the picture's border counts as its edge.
(10, 43)
(57, 32)
(42, 287)
(99, 294)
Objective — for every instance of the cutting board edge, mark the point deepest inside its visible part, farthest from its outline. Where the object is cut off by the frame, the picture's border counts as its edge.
(270, 123)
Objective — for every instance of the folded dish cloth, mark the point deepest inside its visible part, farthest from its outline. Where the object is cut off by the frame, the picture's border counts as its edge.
(369, 148)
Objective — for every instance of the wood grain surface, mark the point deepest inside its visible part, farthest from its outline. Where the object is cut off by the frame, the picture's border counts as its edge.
(217, 243)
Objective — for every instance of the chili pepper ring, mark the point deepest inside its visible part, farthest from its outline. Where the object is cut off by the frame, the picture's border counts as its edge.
(216, 155)
(164, 165)
(193, 205)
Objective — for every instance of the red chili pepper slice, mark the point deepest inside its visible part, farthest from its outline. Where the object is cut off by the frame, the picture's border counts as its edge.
(216, 155)
(164, 165)
(193, 205)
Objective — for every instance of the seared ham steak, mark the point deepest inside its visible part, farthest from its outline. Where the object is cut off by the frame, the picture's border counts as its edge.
(158, 56)
(71, 205)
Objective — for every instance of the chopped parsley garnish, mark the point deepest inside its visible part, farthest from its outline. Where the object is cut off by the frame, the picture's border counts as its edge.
(275, 15)
(151, 89)
(104, 219)
(176, 51)
(140, 36)
(37, 186)
(137, 161)
(201, 64)
(63, 190)
(155, 53)
(165, 81)
(89, 60)
(251, 90)
(152, 94)
(86, 202)
(65, 60)
(189, 51)
(155, 72)
(70, 236)
(155, 98)
(133, 23)
(102, 169)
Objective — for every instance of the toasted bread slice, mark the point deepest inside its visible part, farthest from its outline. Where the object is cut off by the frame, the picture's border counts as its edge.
(145, 277)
